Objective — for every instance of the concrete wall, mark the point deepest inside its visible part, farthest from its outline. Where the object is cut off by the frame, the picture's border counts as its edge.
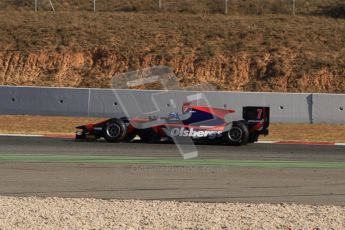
(285, 107)
(43, 101)
(329, 108)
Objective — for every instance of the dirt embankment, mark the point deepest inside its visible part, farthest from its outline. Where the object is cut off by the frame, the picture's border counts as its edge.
(267, 72)
(250, 53)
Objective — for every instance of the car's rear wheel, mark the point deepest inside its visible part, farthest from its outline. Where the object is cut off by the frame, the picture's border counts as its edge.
(238, 134)
(114, 130)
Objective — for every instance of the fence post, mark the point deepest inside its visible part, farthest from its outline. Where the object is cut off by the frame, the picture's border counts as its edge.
(51, 4)
(226, 6)
(35, 5)
(160, 4)
(94, 5)
(293, 7)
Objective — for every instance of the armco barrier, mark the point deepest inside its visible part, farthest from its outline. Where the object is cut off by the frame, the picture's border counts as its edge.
(285, 107)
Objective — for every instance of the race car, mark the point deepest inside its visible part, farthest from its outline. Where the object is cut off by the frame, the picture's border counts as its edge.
(199, 123)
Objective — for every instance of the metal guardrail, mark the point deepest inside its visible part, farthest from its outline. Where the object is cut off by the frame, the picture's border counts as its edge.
(84, 102)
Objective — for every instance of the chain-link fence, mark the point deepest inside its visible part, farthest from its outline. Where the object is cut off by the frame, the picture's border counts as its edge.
(230, 7)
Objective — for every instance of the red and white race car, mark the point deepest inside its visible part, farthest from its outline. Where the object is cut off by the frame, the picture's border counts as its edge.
(199, 123)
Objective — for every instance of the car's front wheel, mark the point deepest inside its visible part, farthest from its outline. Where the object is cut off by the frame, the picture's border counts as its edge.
(237, 135)
(114, 130)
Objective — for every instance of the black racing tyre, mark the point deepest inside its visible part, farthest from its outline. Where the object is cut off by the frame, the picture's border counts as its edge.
(238, 134)
(114, 130)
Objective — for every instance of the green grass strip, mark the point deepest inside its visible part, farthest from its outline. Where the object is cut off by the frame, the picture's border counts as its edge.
(169, 161)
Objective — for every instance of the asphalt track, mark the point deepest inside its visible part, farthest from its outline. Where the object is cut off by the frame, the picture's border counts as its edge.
(38, 166)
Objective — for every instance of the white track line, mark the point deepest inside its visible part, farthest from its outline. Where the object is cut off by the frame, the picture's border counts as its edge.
(19, 135)
(267, 142)
(340, 144)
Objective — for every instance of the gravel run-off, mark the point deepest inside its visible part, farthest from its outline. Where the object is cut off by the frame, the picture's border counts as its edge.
(71, 213)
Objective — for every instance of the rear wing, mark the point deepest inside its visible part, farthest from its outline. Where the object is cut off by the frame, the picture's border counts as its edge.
(257, 115)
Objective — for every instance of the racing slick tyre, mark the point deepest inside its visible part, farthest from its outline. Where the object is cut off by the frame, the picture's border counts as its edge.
(238, 134)
(114, 130)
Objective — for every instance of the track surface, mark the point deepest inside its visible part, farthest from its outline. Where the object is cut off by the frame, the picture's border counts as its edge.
(36, 166)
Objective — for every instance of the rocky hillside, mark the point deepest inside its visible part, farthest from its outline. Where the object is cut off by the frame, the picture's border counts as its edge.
(251, 53)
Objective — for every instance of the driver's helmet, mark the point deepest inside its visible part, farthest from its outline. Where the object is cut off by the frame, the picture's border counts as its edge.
(174, 116)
